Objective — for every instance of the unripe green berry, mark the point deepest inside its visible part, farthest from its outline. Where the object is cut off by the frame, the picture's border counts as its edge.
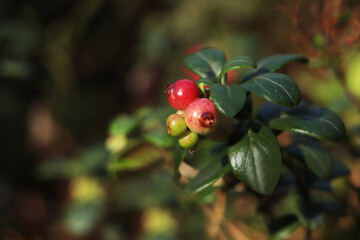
(189, 141)
(176, 125)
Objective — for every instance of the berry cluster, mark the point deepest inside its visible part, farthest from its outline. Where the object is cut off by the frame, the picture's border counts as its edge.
(195, 115)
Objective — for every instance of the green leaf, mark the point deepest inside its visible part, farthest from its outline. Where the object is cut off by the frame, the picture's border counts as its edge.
(208, 175)
(312, 121)
(274, 87)
(237, 63)
(250, 73)
(207, 62)
(315, 157)
(269, 111)
(229, 99)
(256, 159)
(275, 62)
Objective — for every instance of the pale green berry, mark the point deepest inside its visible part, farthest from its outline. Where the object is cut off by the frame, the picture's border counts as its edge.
(176, 125)
(189, 140)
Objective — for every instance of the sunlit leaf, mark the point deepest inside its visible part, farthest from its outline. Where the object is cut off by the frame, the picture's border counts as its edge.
(237, 63)
(315, 122)
(274, 87)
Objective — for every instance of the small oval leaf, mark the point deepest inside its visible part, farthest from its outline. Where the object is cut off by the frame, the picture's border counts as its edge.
(275, 62)
(274, 87)
(208, 175)
(315, 157)
(237, 63)
(207, 62)
(312, 121)
(229, 99)
(256, 159)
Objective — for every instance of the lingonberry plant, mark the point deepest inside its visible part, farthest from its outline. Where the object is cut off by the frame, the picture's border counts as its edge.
(253, 154)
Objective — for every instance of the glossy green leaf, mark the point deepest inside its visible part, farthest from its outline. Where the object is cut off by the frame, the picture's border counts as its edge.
(269, 111)
(315, 157)
(315, 122)
(275, 62)
(229, 99)
(237, 63)
(250, 73)
(208, 175)
(207, 62)
(274, 87)
(256, 159)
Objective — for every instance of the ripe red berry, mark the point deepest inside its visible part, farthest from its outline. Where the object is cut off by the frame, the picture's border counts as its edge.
(201, 116)
(181, 93)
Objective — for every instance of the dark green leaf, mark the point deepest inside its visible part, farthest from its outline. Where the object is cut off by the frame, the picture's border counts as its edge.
(312, 121)
(179, 156)
(315, 157)
(208, 175)
(256, 159)
(250, 73)
(274, 87)
(207, 62)
(229, 99)
(269, 111)
(237, 63)
(274, 62)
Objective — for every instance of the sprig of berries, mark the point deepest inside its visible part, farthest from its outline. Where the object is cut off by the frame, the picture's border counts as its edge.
(196, 116)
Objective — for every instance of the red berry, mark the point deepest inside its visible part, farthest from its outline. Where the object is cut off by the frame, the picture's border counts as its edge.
(181, 93)
(201, 116)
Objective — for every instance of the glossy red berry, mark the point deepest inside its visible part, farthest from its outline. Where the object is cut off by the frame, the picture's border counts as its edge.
(181, 93)
(201, 116)
(176, 125)
(189, 141)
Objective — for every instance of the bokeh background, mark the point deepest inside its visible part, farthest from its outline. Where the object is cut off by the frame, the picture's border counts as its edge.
(84, 152)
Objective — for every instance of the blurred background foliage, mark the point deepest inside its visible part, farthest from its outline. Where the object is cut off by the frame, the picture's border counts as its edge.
(84, 150)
